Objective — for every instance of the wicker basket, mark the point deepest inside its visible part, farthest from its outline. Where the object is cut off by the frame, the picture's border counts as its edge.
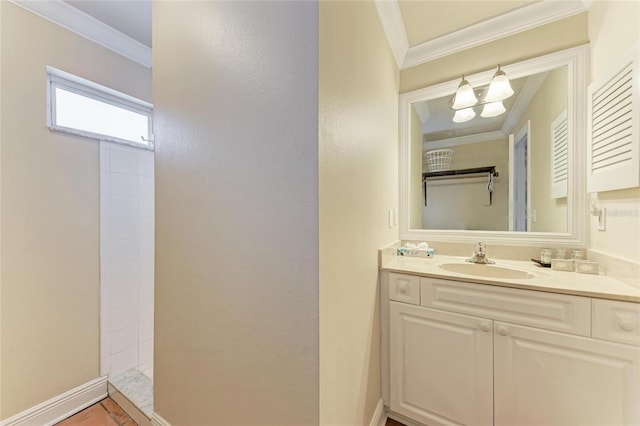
(439, 160)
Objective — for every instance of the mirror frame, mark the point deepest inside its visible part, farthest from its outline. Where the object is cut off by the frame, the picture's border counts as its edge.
(577, 61)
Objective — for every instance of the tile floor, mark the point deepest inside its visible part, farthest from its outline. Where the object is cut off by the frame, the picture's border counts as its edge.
(103, 413)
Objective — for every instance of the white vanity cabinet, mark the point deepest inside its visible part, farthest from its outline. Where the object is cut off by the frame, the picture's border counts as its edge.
(476, 354)
(442, 366)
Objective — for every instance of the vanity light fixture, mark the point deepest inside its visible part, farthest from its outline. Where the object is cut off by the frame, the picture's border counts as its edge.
(492, 109)
(466, 98)
(463, 115)
(499, 88)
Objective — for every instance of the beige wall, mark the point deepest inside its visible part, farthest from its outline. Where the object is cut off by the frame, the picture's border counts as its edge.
(463, 203)
(236, 303)
(549, 38)
(544, 108)
(50, 214)
(613, 30)
(358, 149)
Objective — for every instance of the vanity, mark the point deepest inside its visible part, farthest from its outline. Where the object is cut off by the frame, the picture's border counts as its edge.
(507, 344)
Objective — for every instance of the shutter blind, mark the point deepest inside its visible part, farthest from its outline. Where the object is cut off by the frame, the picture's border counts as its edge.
(614, 109)
(559, 156)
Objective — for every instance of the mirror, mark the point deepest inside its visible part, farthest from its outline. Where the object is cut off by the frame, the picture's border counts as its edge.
(516, 177)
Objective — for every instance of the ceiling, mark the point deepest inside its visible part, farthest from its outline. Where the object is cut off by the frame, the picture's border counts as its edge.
(423, 20)
(429, 19)
(130, 17)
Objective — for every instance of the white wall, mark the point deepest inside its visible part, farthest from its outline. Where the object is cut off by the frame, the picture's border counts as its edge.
(49, 330)
(126, 258)
(613, 30)
(236, 125)
(358, 149)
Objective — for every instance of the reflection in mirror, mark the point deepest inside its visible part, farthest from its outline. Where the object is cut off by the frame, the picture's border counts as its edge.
(518, 143)
(527, 186)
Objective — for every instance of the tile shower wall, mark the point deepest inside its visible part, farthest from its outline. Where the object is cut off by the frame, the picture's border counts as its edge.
(126, 259)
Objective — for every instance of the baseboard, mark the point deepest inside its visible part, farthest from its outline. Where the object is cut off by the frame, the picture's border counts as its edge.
(157, 420)
(379, 416)
(62, 406)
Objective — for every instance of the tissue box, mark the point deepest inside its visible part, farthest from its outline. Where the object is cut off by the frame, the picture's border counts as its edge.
(415, 252)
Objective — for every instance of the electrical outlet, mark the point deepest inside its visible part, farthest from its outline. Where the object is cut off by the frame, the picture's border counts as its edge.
(390, 218)
(602, 218)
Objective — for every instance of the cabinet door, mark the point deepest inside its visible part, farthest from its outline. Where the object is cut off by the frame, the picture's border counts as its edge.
(441, 366)
(548, 378)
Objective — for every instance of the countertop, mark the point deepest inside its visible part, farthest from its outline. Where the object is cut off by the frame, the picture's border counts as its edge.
(546, 279)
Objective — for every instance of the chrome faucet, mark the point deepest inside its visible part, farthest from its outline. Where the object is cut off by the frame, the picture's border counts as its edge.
(480, 255)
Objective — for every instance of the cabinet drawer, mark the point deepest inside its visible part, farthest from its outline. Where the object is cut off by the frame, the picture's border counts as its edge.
(616, 321)
(559, 312)
(404, 288)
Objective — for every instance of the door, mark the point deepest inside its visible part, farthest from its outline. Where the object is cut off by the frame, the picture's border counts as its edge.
(547, 378)
(441, 366)
(520, 183)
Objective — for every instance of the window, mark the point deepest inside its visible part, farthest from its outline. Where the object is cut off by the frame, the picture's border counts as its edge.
(80, 107)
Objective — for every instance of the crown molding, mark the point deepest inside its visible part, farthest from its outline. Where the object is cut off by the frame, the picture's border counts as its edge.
(393, 26)
(464, 140)
(67, 16)
(514, 22)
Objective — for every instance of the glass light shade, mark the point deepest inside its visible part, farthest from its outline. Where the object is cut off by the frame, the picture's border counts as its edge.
(499, 88)
(464, 97)
(492, 109)
(463, 115)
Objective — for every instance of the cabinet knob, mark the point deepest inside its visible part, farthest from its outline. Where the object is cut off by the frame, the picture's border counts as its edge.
(402, 289)
(627, 324)
(485, 327)
(502, 330)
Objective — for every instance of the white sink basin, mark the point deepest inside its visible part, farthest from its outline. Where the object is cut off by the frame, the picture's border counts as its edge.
(488, 271)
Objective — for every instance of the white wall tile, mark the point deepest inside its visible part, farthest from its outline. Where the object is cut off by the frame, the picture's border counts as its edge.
(124, 160)
(124, 338)
(105, 183)
(105, 151)
(105, 206)
(119, 273)
(147, 227)
(145, 248)
(123, 295)
(123, 228)
(147, 206)
(145, 312)
(105, 348)
(123, 206)
(105, 322)
(105, 299)
(145, 351)
(145, 163)
(146, 331)
(146, 280)
(127, 232)
(124, 360)
(118, 251)
(104, 366)
(123, 184)
(123, 317)
(146, 186)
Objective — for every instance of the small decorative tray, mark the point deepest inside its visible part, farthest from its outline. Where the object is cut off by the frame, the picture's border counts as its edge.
(539, 262)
